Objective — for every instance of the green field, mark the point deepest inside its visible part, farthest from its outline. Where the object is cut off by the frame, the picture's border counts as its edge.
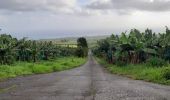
(72, 41)
(25, 68)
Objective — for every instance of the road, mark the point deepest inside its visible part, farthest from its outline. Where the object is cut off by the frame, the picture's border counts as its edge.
(88, 82)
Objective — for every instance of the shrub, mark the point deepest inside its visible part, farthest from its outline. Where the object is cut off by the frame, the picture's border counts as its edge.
(167, 53)
(121, 63)
(79, 52)
(166, 73)
(156, 62)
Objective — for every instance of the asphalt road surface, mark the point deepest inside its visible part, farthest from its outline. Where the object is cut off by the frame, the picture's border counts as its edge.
(88, 82)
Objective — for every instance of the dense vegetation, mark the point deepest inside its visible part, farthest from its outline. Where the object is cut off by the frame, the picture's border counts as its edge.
(20, 57)
(12, 49)
(126, 52)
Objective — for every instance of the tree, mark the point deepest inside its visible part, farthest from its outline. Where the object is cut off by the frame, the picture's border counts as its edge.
(82, 47)
(81, 42)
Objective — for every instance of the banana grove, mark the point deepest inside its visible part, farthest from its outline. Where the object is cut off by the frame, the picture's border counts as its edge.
(12, 49)
(135, 47)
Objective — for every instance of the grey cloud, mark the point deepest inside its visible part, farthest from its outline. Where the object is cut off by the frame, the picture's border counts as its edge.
(145, 5)
(90, 7)
(34, 5)
(19, 5)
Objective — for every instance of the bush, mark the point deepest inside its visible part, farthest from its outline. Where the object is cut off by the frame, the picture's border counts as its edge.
(166, 73)
(80, 52)
(167, 53)
(156, 62)
(121, 63)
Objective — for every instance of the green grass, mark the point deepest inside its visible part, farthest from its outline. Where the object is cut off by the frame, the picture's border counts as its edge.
(138, 72)
(25, 68)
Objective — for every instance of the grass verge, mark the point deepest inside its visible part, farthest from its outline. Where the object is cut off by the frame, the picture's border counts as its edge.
(25, 68)
(138, 72)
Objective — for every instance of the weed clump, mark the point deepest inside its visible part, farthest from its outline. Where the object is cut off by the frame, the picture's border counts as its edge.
(166, 73)
(156, 62)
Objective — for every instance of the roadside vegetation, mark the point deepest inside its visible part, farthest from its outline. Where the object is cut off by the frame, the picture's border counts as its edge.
(139, 55)
(139, 72)
(28, 68)
(25, 57)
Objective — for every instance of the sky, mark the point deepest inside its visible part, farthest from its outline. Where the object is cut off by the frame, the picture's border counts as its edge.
(40, 19)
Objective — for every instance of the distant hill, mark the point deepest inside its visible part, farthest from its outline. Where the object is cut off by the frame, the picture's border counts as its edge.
(92, 40)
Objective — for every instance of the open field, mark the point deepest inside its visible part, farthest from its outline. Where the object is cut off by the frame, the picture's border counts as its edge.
(72, 41)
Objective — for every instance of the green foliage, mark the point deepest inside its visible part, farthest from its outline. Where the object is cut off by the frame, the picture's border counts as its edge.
(25, 68)
(16, 56)
(12, 50)
(80, 52)
(121, 63)
(81, 42)
(140, 72)
(156, 62)
(103, 46)
(7, 44)
(167, 53)
(82, 47)
(166, 73)
(135, 47)
(145, 55)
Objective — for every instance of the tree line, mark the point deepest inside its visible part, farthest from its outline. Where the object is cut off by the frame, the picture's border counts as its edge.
(13, 49)
(135, 47)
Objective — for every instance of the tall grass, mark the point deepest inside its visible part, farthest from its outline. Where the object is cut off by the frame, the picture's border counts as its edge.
(25, 68)
(139, 72)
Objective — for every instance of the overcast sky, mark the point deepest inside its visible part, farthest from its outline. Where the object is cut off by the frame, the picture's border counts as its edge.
(66, 18)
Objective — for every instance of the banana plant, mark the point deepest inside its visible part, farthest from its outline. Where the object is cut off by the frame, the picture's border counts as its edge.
(137, 47)
(7, 44)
